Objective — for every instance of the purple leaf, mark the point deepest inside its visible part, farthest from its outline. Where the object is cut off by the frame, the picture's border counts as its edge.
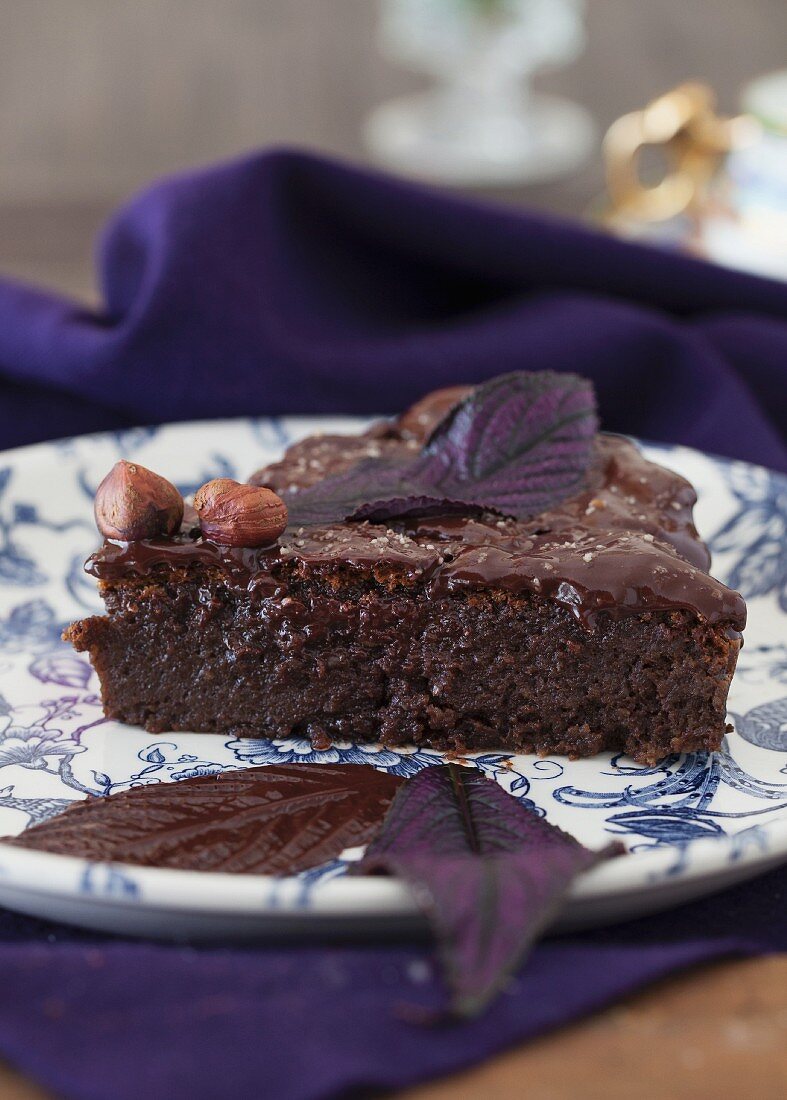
(516, 445)
(413, 505)
(488, 873)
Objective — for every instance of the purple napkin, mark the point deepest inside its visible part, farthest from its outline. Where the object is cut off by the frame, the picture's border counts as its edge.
(93, 1017)
(285, 283)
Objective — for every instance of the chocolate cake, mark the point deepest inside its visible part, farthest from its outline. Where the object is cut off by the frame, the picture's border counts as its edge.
(432, 618)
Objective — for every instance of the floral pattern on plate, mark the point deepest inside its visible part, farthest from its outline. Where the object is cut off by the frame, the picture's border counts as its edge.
(56, 745)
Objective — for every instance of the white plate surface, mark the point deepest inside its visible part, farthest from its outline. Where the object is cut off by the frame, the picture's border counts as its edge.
(694, 824)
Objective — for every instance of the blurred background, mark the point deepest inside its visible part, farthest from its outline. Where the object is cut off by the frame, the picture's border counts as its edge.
(98, 97)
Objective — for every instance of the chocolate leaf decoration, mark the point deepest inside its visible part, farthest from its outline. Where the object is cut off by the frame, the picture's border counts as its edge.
(276, 819)
(516, 445)
(488, 873)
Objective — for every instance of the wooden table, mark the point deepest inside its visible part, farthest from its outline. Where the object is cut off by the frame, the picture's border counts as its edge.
(718, 1032)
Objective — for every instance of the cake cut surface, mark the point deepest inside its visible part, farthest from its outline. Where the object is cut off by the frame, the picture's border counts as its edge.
(592, 625)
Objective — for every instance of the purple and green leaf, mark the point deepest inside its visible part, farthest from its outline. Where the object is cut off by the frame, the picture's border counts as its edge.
(516, 445)
(489, 874)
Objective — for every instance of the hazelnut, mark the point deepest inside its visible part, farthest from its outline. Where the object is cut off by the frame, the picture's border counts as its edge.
(133, 503)
(240, 515)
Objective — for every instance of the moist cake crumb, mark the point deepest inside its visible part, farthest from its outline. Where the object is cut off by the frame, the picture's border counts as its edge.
(594, 625)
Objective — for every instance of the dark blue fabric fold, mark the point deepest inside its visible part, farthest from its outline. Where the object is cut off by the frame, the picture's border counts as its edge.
(286, 283)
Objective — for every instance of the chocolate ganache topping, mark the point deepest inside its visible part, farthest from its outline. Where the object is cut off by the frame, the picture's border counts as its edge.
(277, 819)
(623, 544)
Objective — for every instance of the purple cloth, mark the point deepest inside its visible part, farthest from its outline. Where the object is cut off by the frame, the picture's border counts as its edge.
(288, 284)
(93, 1016)
(284, 283)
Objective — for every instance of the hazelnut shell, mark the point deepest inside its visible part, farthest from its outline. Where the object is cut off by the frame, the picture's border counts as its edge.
(133, 503)
(235, 514)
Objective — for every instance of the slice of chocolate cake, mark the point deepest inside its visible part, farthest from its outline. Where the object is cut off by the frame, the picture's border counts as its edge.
(487, 572)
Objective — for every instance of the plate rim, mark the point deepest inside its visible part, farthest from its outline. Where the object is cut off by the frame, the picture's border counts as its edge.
(177, 889)
(45, 873)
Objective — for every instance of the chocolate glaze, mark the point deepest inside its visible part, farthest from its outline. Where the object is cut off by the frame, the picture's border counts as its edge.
(623, 545)
(277, 819)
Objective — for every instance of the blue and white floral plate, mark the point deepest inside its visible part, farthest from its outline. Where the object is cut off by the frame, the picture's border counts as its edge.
(693, 825)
